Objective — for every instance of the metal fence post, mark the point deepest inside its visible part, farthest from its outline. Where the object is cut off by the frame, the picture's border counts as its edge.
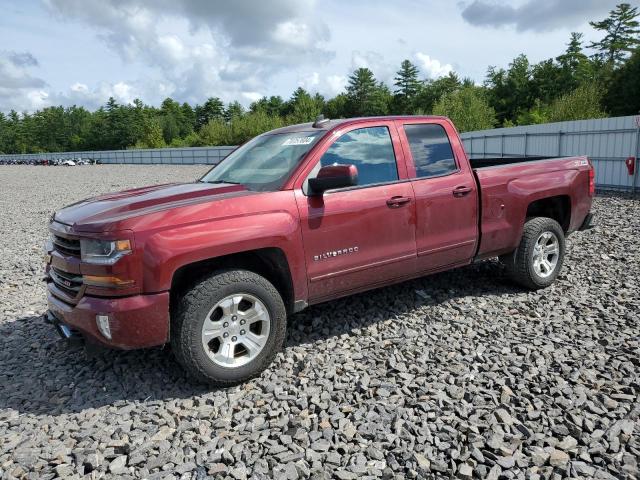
(560, 143)
(501, 145)
(526, 137)
(635, 154)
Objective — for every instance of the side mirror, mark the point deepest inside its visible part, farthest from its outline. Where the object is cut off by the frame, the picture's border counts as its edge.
(333, 176)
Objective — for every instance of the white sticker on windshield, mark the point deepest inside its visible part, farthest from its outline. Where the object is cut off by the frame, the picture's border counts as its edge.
(298, 141)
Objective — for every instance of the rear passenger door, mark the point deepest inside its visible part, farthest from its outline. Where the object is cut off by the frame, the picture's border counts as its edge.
(364, 235)
(445, 192)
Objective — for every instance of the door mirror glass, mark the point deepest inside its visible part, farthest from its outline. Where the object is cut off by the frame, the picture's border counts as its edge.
(333, 176)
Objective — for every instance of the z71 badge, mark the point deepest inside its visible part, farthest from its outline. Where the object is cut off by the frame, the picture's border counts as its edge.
(335, 253)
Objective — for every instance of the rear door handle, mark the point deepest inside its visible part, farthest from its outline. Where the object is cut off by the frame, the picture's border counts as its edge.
(395, 202)
(461, 191)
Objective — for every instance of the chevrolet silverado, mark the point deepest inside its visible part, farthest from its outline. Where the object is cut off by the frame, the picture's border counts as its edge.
(297, 216)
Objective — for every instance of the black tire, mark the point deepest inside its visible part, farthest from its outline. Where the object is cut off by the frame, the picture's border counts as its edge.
(189, 315)
(520, 263)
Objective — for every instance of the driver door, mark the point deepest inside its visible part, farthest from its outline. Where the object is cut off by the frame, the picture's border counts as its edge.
(362, 236)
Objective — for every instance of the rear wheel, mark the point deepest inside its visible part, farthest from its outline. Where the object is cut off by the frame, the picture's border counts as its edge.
(228, 327)
(538, 259)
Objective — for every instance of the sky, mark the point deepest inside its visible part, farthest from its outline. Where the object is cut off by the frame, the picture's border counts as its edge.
(81, 52)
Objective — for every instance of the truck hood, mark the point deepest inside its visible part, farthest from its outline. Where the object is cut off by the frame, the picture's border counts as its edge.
(105, 211)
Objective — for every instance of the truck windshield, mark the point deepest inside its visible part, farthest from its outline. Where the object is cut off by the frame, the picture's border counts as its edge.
(265, 162)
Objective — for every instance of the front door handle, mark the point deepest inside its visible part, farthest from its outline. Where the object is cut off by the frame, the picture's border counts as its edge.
(461, 191)
(395, 202)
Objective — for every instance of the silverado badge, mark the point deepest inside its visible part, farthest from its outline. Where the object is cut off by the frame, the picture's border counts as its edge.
(335, 253)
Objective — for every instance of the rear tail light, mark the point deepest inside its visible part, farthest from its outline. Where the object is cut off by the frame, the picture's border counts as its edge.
(592, 181)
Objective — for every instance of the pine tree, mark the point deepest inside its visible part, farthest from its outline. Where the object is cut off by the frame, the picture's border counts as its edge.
(211, 109)
(408, 86)
(360, 91)
(576, 66)
(303, 107)
(623, 95)
(622, 34)
(234, 109)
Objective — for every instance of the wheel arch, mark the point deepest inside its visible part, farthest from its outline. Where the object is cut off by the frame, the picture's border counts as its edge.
(557, 207)
(270, 263)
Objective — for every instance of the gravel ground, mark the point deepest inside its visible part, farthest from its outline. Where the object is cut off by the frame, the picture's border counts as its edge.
(455, 375)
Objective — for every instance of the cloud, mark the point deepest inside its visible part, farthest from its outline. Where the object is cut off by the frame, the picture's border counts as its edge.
(252, 96)
(80, 94)
(22, 59)
(537, 15)
(202, 48)
(310, 82)
(432, 67)
(19, 87)
(375, 62)
(329, 85)
(337, 84)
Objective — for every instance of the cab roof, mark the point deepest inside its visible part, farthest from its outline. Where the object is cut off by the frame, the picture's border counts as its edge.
(330, 124)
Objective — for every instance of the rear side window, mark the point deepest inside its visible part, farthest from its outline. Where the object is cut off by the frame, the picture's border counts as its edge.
(370, 150)
(431, 150)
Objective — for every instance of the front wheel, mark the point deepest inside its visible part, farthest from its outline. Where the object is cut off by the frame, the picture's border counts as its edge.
(228, 327)
(538, 259)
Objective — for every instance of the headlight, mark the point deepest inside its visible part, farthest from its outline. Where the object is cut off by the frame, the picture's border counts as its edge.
(104, 252)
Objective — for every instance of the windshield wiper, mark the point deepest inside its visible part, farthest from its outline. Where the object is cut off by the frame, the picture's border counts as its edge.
(221, 181)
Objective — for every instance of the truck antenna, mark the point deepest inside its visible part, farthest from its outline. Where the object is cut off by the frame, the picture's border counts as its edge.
(320, 121)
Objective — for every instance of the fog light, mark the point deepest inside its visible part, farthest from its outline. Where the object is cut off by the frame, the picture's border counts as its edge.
(103, 325)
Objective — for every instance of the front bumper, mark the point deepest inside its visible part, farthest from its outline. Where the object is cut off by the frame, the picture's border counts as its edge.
(139, 321)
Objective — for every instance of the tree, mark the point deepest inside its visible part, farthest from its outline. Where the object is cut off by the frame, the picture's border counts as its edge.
(153, 136)
(623, 95)
(467, 108)
(621, 34)
(212, 108)
(548, 82)
(575, 65)
(407, 87)
(239, 129)
(4, 130)
(361, 91)
(177, 120)
(234, 109)
(337, 107)
(510, 91)
(580, 104)
(304, 107)
(432, 90)
(274, 106)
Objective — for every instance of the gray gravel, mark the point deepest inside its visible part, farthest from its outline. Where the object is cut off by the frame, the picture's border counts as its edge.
(455, 375)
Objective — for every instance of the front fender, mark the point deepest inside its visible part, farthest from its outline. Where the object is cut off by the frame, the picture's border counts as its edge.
(167, 250)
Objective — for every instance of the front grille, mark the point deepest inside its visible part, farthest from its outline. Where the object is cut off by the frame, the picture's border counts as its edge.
(69, 283)
(67, 246)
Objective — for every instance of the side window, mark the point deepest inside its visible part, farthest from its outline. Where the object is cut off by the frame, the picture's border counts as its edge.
(370, 150)
(430, 149)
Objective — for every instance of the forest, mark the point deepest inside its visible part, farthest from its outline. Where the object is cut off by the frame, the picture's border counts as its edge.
(595, 80)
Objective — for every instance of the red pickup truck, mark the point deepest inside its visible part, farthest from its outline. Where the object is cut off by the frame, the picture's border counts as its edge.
(299, 216)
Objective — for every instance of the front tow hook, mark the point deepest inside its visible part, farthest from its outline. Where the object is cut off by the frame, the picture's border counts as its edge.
(65, 332)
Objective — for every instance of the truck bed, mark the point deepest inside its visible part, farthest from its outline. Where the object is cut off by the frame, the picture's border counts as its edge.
(477, 163)
(508, 186)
